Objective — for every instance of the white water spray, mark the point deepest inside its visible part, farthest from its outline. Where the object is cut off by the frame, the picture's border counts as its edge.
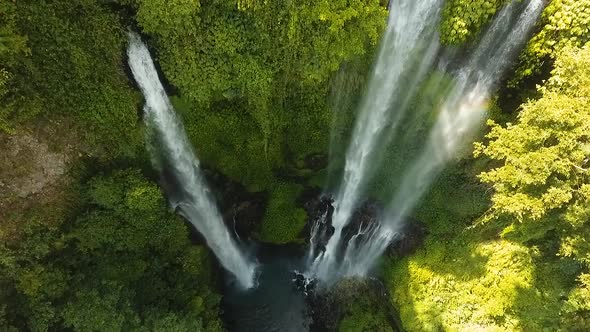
(171, 152)
(462, 111)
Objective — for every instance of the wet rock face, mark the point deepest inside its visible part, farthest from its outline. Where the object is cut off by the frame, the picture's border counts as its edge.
(314, 202)
(241, 210)
(410, 238)
(319, 227)
(320, 210)
(244, 216)
(363, 218)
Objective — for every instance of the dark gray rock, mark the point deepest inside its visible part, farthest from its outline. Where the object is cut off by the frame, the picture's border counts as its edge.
(320, 209)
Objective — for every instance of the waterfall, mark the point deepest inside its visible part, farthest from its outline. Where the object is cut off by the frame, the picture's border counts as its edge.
(173, 156)
(411, 31)
(461, 110)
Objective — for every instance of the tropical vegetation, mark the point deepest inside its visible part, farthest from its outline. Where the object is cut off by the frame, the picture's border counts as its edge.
(92, 245)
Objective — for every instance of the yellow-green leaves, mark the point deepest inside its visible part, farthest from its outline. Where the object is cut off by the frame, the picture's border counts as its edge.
(473, 287)
(544, 178)
(578, 300)
(564, 23)
(463, 19)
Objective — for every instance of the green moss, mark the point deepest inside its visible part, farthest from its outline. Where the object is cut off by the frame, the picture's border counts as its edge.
(464, 19)
(308, 122)
(229, 140)
(283, 220)
(456, 198)
(356, 305)
(365, 313)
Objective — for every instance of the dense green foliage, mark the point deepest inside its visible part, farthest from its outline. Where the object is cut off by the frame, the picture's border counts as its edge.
(256, 74)
(12, 46)
(364, 309)
(468, 278)
(524, 265)
(448, 290)
(355, 305)
(124, 263)
(66, 61)
(252, 79)
(118, 260)
(545, 153)
(463, 19)
(564, 23)
(544, 182)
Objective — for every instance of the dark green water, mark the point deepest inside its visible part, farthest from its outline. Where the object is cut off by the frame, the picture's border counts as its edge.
(276, 304)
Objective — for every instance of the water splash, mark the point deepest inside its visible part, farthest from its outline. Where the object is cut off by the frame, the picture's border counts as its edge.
(172, 155)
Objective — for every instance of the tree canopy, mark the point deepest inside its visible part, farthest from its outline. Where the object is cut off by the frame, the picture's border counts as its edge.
(543, 184)
(125, 263)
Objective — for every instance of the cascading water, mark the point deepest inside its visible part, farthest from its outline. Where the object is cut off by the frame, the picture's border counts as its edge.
(462, 107)
(172, 154)
(462, 110)
(398, 71)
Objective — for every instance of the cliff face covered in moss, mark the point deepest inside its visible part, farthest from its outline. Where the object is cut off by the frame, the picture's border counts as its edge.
(253, 78)
(262, 88)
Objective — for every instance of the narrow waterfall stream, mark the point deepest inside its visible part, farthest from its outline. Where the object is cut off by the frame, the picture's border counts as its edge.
(172, 153)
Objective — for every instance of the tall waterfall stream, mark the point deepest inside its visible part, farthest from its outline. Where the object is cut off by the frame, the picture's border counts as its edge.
(172, 152)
